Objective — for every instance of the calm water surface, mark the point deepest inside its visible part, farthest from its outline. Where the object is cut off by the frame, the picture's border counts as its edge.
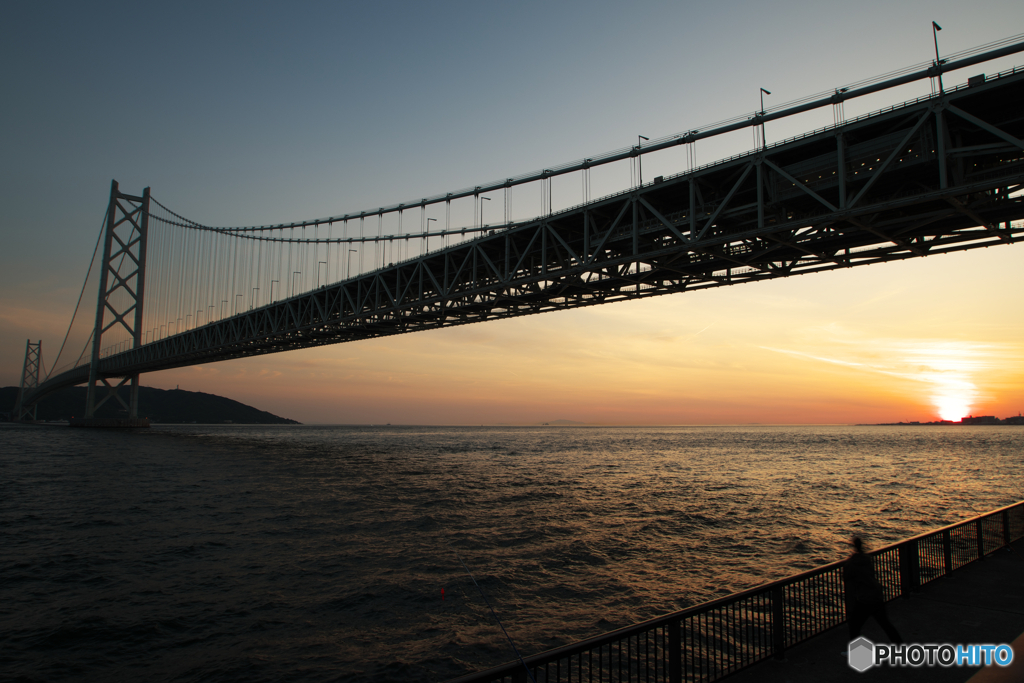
(310, 553)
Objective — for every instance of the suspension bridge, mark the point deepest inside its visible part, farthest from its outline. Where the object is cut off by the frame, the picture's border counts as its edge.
(940, 173)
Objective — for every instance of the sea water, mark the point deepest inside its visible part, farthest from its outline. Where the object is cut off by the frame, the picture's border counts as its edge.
(305, 553)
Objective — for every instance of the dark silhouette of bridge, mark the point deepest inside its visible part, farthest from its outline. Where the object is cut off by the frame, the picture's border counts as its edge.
(937, 174)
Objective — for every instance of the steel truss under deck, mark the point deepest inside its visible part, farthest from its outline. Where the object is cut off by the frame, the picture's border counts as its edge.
(933, 176)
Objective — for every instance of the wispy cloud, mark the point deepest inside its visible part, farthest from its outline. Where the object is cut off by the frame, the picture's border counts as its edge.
(952, 370)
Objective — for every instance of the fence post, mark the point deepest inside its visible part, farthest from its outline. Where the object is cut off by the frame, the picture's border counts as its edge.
(909, 579)
(947, 551)
(981, 539)
(778, 623)
(1006, 527)
(675, 651)
(915, 567)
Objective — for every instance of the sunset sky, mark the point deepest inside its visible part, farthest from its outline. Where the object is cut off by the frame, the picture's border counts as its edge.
(258, 113)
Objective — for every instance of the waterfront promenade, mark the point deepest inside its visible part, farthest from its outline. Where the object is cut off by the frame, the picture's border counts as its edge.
(982, 602)
(960, 584)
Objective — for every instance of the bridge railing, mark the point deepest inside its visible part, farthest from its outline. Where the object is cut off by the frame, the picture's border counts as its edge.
(707, 642)
(780, 143)
(483, 230)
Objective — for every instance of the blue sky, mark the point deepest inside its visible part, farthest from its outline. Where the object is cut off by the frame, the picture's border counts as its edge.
(254, 113)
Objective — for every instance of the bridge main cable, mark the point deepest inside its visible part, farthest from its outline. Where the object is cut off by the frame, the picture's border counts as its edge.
(836, 97)
(241, 233)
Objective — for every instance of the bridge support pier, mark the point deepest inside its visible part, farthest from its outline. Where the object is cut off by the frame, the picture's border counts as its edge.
(121, 292)
(29, 381)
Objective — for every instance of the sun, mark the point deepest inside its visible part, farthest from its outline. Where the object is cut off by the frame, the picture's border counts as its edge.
(952, 407)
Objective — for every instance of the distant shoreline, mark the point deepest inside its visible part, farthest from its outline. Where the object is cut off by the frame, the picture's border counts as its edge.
(161, 406)
(986, 420)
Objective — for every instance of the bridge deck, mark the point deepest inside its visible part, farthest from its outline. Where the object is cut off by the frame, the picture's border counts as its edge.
(980, 603)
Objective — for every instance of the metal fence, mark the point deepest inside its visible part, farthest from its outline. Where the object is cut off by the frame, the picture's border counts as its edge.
(709, 641)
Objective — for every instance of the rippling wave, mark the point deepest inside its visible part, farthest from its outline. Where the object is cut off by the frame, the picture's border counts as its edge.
(333, 553)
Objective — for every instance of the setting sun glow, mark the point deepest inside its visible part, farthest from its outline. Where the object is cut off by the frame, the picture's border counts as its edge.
(952, 407)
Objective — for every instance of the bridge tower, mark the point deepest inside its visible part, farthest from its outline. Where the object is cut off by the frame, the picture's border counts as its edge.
(29, 380)
(121, 290)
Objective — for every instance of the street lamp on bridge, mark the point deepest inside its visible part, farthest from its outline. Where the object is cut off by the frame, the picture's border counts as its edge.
(640, 157)
(764, 92)
(938, 62)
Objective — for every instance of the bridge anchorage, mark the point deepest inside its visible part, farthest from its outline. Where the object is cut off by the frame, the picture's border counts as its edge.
(937, 174)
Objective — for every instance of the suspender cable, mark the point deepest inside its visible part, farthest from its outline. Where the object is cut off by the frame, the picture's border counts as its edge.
(259, 275)
(95, 250)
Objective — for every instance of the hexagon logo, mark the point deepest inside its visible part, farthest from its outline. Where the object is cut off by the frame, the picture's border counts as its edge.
(861, 655)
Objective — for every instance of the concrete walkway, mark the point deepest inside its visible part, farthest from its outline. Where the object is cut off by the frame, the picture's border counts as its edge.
(980, 603)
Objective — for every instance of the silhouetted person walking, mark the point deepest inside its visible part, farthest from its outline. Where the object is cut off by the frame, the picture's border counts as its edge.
(864, 597)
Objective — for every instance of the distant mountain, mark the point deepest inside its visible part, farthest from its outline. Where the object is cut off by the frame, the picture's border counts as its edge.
(173, 406)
